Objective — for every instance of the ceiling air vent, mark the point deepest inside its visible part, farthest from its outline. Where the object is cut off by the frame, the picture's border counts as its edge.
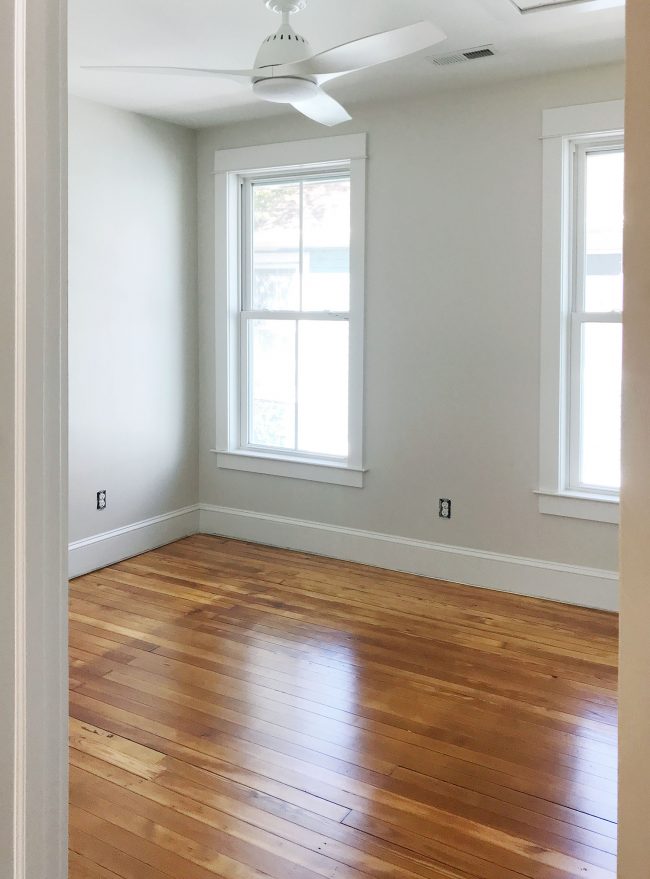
(462, 57)
(474, 54)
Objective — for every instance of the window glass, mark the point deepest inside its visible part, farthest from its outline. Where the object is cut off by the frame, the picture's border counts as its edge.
(326, 243)
(604, 231)
(323, 393)
(600, 433)
(272, 383)
(276, 247)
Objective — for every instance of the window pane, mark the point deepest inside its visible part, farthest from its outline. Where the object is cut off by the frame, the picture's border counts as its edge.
(326, 243)
(600, 447)
(272, 383)
(276, 246)
(604, 231)
(323, 387)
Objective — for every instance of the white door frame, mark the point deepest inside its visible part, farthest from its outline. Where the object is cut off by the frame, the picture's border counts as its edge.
(33, 441)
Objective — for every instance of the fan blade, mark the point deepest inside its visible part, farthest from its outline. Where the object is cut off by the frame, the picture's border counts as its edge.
(324, 109)
(368, 51)
(242, 75)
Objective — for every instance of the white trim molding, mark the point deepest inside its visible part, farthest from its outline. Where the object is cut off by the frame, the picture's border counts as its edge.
(571, 584)
(561, 129)
(234, 169)
(598, 118)
(33, 452)
(573, 505)
(293, 154)
(102, 550)
(292, 468)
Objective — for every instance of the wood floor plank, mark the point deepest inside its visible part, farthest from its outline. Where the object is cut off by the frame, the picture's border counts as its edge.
(577, 785)
(193, 760)
(81, 868)
(93, 850)
(241, 711)
(210, 838)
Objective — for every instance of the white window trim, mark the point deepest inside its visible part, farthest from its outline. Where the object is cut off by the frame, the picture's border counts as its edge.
(560, 127)
(287, 157)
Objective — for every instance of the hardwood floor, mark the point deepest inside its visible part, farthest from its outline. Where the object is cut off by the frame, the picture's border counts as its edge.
(240, 711)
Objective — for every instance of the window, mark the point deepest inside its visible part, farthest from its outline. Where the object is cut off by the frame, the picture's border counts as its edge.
(594, 392)
(582, 313)
(295, 314)
(291, 296)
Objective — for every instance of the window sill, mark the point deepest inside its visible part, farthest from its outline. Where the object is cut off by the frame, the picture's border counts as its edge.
(573, 505)
(293, 468)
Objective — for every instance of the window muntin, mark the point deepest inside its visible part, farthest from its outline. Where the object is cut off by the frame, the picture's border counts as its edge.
(595, 337)
(295, 314)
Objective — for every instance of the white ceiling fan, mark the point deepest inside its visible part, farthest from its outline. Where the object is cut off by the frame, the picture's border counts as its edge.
(287, 71)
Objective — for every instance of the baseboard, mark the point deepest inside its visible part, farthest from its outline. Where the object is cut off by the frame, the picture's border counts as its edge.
(123, 543)
(587, 587)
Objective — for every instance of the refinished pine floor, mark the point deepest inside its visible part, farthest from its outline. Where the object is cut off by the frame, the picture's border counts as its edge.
(239, 711)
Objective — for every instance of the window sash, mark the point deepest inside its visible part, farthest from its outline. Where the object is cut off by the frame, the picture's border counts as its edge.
(245, 385)
(574, 438)
(246, 313)
(295, 315)
(246, 224)
(581, 150)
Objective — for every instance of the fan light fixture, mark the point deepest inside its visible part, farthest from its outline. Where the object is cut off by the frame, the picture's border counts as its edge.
(285, 89)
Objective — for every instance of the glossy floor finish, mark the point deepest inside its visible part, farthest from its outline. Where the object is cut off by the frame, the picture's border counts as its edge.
(239, 711)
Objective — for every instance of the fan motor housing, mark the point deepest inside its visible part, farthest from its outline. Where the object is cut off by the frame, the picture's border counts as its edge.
(285, 46)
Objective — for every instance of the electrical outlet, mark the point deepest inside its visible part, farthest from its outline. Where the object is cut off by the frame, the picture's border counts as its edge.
(101, 500)
(444, 508)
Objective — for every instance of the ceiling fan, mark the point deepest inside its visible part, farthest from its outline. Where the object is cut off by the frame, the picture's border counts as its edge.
(287, 71)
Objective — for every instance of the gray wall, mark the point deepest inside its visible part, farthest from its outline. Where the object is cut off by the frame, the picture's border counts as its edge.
(453, 323)
(7, 423)
(133, 322)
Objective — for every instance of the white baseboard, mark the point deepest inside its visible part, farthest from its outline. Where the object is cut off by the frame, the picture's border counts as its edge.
(587, 587)
(571, 584)
(123, 543)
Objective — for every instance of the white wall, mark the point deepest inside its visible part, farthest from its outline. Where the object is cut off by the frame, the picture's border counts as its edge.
(453, 324)
(133, 322)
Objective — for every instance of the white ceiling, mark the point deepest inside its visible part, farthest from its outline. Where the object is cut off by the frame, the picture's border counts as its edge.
(227, 33)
